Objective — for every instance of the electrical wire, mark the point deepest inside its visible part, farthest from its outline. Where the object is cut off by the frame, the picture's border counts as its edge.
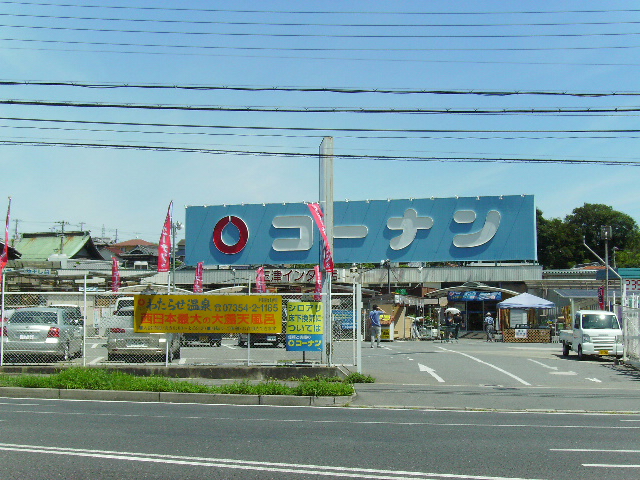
(590, 111)
(330, 25)
(333, 49)
(346, 90)
(333, 35)
(321, 12)
(210, 151)
(326, 130)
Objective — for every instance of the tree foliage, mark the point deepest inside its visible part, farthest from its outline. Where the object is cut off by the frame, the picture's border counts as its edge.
(560, 242)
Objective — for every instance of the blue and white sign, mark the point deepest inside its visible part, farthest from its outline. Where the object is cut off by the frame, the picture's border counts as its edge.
(344, 318)
(418, 230)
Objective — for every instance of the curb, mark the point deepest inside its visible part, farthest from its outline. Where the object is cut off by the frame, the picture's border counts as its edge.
(174, 397)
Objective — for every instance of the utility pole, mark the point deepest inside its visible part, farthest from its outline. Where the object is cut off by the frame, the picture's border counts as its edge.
(15, 232)
(61, 235)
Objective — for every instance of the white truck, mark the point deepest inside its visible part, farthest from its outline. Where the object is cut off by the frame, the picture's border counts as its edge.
(595, 332)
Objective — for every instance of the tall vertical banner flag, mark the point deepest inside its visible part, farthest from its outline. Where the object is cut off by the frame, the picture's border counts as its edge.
(318, 216)
(601, 300)
(164, 247)
(261, 283)
(4, 257)
(115, 275)
(198, 281)
(318, 294)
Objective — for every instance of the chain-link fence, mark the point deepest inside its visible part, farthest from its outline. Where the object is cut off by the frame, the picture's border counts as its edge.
(97, 328)
(632, 333)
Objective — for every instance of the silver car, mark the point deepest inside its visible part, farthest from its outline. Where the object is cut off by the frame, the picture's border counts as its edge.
(43, 331)
(124, 343)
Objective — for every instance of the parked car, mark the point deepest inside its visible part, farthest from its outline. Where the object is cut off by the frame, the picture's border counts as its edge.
(123, 342)
(274, 339)
(73, 310)
(213, 339)
(42, 332)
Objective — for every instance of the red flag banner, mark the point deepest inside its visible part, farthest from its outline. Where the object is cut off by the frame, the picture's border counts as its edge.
(601, 300)
(318, 296)
(197, 283)
(164, 247)
(4, 257)
(261, 283)
(318, 216)
(115, 275)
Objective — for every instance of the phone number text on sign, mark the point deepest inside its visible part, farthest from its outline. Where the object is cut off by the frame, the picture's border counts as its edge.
(208, 313)
(305, 326)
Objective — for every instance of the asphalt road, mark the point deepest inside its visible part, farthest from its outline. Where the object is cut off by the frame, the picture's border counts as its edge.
(57, 439)
(478, 374)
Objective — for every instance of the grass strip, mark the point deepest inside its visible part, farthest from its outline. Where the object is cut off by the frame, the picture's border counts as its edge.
(101, 379)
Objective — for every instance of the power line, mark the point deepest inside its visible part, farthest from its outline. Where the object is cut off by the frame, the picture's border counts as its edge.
(322, 12)
(325, 130)
(268, 109)
(345, 90)
(326, 58)
(297, 135)
(208, 151)
(336, 35)
(324, 49)
(312, 24)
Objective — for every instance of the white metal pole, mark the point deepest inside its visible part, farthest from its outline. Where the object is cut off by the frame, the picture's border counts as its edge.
(358, 319)
(326, 202)
(84, 322)
(3, 324)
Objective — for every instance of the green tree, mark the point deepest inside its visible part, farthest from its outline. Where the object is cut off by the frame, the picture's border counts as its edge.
(560, 242)
(587, 220)
(557, 243)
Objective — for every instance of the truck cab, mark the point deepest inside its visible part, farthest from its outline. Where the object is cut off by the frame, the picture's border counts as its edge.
(595, 332)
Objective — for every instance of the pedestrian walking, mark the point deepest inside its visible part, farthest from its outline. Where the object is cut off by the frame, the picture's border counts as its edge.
(376, 326)
(488, 326)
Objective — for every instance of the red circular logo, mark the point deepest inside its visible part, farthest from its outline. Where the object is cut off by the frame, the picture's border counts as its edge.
(242, 229)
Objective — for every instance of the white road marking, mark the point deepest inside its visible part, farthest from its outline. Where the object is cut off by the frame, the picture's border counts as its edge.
(326, 470)
(594, 380)
(542, 364)
(598, 450)
(515, 377)
(182, 361)
(96, 360)
(562, 373)
(95, 345)
(430, 371)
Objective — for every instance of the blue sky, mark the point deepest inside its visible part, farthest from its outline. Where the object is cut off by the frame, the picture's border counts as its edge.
(508, 46)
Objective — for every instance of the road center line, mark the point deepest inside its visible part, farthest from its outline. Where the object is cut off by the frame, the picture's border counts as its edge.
(515, 377)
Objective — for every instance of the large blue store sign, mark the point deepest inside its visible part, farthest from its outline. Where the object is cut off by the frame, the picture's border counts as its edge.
(417, 230)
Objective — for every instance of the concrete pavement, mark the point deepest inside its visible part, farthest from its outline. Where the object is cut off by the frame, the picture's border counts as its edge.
(379, 395)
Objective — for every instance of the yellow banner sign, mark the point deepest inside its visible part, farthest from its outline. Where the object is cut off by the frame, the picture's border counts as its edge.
(208, 313)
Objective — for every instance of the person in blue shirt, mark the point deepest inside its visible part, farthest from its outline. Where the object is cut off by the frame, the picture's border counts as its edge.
(376, 326)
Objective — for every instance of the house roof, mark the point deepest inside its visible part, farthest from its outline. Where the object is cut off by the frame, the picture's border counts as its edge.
(40, 246)
(133, 243)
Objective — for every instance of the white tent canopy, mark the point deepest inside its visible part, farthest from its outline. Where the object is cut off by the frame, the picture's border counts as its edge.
(526, 301)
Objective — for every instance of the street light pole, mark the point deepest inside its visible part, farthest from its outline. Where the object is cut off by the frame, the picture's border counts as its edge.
(605, 234)
(174, 228)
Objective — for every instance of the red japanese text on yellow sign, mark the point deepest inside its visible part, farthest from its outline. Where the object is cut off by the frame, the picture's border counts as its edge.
(208, 313)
